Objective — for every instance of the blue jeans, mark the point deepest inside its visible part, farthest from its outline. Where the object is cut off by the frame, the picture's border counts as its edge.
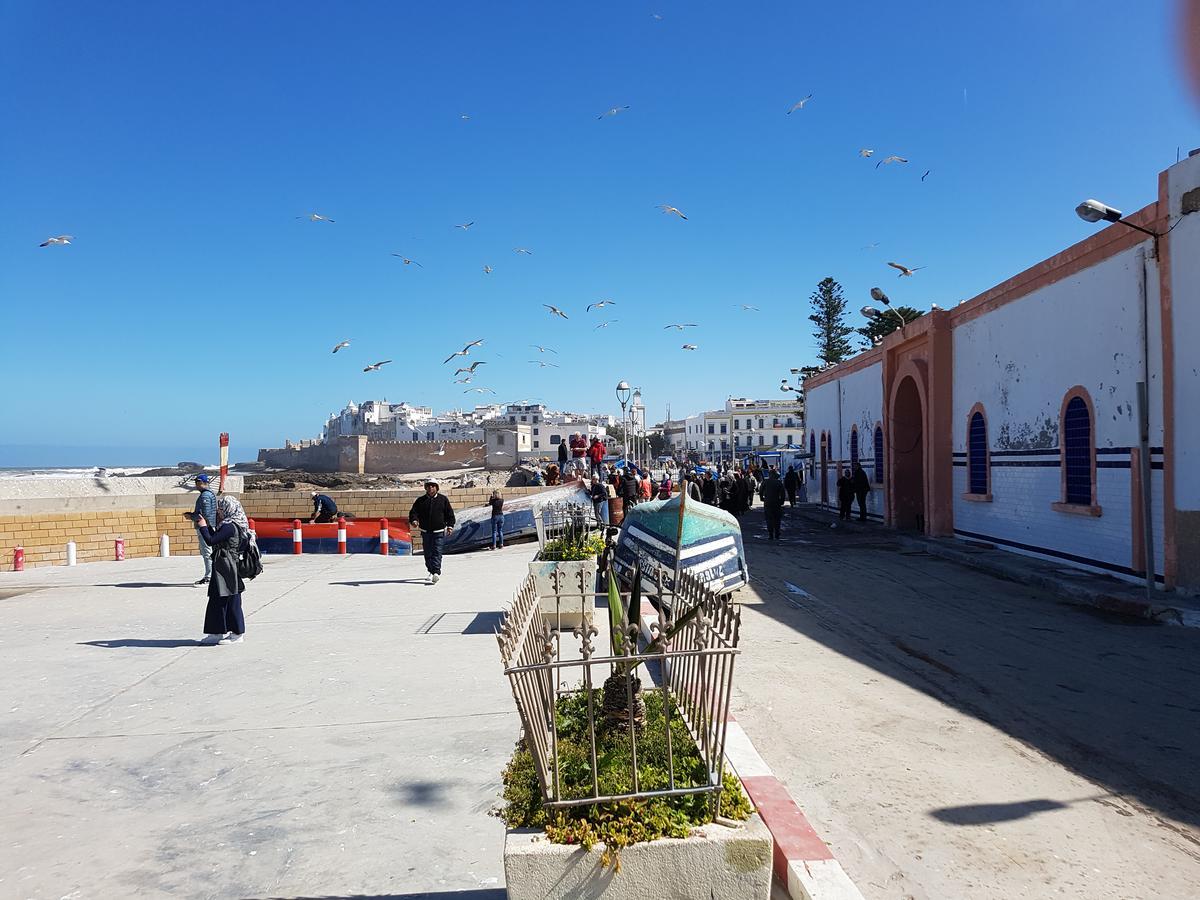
(601, 508)
(497, 531)
(205, 554)
(432, 541)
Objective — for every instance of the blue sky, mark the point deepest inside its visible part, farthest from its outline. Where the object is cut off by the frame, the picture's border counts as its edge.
(178, 143)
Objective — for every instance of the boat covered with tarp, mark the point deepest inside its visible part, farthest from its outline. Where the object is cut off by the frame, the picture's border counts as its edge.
(473, 526)
(709, 545)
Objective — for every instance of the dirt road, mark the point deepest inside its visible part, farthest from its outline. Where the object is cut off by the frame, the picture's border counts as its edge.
(953, 735)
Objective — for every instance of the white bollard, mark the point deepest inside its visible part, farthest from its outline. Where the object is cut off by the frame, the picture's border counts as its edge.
(70, 553)
(164, 546)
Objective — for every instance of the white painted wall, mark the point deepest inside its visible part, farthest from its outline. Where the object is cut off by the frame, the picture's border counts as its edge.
(854, 400)
(1185, 289)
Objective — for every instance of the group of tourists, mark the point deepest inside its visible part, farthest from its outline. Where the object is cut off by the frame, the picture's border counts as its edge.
(851, 485)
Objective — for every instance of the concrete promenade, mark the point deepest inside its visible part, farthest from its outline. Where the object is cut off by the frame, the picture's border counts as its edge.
(350, 747)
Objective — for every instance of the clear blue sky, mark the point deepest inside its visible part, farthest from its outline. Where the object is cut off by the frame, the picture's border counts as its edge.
(178, 143)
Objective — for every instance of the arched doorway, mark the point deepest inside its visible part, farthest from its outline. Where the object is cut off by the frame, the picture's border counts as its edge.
(908, 456)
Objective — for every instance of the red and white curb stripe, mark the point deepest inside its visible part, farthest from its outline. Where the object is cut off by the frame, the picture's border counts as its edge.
(802, 860)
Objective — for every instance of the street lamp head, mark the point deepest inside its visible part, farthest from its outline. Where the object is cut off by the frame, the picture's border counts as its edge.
(879, 296)
(870, 312)
(1095, 211)
(623, 393)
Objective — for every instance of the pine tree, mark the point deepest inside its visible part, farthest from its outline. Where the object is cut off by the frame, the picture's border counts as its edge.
(881, 326)
(829, 315)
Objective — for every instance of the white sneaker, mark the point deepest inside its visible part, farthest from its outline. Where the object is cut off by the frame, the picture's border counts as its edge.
(232, 638)
(433, 579)
(212, 639)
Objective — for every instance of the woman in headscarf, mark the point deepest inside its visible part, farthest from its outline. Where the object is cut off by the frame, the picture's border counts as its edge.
(223, 619)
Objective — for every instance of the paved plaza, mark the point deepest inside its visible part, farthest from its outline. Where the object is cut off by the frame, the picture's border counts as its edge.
(350, 747)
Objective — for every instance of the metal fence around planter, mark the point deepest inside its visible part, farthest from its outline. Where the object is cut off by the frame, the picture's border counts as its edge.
(696, 673)
(564, 519)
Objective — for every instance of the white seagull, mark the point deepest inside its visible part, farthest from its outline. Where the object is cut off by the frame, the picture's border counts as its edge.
(408, 262)
(541, 364)
(866, 152)
(463, 352)
(341, 345)
(673, 210)
(689, 347)
(606, 324)
(62, 239)
(746, 307)
(375, 367)
(540, 349)
(799, 104)
(315, 217)
(441, 450)
(888, 160)
(465, 225)
(612, 112)
(555, 311)
(487, 270)
(472, 367)
(466, 380)
(479, 391)
(600, 304)
(904, 270)
(524, 250)
(679, 326)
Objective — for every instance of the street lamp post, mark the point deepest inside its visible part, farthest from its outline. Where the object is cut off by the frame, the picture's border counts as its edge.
(623, 392)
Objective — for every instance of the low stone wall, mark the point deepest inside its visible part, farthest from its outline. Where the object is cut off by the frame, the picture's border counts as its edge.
(42, 526)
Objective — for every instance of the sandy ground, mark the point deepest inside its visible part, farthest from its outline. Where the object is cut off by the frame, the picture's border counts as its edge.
(953, 735)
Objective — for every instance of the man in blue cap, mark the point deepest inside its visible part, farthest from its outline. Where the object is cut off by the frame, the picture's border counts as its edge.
(206, 507)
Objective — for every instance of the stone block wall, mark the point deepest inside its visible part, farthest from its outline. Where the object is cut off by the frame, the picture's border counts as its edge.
(402, 457)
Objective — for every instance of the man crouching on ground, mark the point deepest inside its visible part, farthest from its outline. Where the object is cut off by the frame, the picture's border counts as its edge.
(435, 517)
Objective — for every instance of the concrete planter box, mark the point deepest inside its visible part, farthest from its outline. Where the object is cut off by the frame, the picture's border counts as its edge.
(573, 577)
(730, 863)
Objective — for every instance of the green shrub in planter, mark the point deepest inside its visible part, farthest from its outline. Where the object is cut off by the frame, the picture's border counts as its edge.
(573, 548)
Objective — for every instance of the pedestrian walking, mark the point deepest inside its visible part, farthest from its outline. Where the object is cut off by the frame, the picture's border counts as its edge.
(862, 487)
(665, 487)
(791, 483)
(497, 505)
(434, 516)
(224, 622)
(206, 510)
(845, 492)
(708, 489)
(324, 509)
(596, 453)
(772, 497)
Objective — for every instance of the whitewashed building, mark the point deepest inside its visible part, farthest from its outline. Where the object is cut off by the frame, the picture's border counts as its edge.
(1013, 419)
(743, 427)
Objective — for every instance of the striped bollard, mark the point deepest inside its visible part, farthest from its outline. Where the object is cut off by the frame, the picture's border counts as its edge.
(297, 537)
(342, 535)
(164, 546)
(253, 534)
(71, 553)
(19, 559)
(383, 537)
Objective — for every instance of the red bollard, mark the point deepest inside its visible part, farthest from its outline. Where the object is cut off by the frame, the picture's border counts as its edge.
(119, 549)
(342, 535)
(383, 537)
(297, 537)
(19, 559)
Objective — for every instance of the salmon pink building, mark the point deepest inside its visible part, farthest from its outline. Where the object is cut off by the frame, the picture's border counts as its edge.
(1014, 418)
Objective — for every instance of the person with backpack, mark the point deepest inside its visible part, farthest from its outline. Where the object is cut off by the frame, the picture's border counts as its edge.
(224, 622)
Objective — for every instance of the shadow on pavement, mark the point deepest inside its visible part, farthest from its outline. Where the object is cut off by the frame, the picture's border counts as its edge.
(140, 642)
(477, 894)
(381, 581)
(148, 584)
(989, 813)
(1116, 704)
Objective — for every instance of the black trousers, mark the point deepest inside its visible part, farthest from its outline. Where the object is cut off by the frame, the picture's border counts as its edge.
(862, 505)
(432, 542)
(324, 516)
(224, 614)
(774, 521)
(791, 492)
(844, 503)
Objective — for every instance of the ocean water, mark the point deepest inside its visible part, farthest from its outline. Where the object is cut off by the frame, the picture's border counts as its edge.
(50, 472)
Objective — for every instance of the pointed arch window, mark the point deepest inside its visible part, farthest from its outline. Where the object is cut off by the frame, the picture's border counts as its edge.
(853, 444)
(1077, 454)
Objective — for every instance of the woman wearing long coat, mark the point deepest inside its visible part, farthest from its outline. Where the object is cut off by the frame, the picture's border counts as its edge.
(223, 619)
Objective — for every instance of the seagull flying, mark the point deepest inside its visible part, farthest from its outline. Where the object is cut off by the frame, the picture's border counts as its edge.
(63, 239)
(472, 367)
(341, 345)
(541, 349)
(541, 365)
(524, 250)
(746, 307)
(679, 326)
(463, 352)
(689, 347)
(375, 367)
(612, 112)
(606, 324)
(487, 270)
(672, 210)
(465, 225)
(656, 17)
(865, 152)
(555, 311)
(904, 270)
(466, 380)
(799, 104)
(408, 262)
(926, 175)
(600, 304)
(441, 450)
(314, 217)
(479, 391)
(888, 160)
(464, 117)
(870, 246)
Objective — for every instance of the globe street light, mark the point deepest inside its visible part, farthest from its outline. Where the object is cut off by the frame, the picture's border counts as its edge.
(623, 391)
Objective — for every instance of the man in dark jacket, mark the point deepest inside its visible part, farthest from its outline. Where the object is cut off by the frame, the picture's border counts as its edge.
(791, 483)
(845, 492)
(434, 516)
(708, 489)
(562, 454)
(629, 489)
(206, 508)
(862, 487)
(324, 509)
(772, 497)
